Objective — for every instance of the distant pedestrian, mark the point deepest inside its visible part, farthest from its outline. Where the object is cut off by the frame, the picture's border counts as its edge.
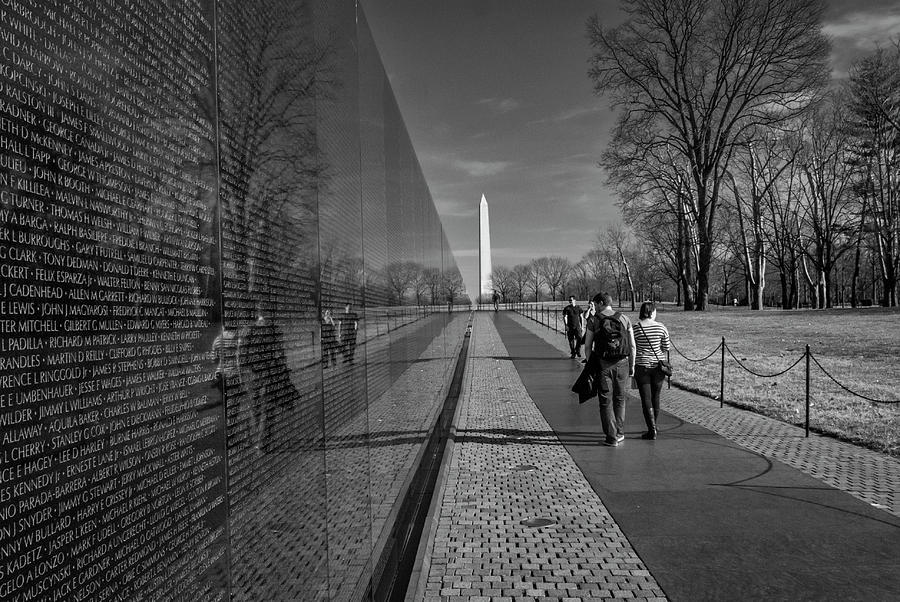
(496, 300)
(651, 341)
(609, 345)
(590, 324)
(573, 320)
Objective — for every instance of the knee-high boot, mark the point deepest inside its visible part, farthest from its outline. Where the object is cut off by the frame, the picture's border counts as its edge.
(650, 418)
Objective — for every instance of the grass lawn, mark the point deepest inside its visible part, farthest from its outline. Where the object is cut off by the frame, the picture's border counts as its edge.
(859, 348)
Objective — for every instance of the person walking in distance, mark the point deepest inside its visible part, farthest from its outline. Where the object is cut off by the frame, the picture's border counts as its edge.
(496, 300)
(573, 319)
(590, 323)
(652, 341)
(610, 347)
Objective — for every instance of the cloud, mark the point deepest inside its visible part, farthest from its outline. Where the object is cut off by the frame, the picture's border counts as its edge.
(865, 29)
(500, 105)
(447, 208)
(569, 114)
(478, 169)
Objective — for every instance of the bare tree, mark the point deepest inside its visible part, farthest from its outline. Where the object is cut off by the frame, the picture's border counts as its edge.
(826, 202)
(580, 280)
(504, 282)
(660, 236)
(535, 280)
(655, 192)
(782, 209)
(756, 171)
(521, 278)
(699, 75)
(874, 99)
(596, 267)
(554, 271)
(616, 243)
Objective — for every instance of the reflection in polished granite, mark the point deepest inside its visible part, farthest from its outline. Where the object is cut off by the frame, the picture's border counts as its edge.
(224, 330)
(275, 542)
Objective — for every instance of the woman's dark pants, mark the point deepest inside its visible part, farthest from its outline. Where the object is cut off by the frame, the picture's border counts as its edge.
(649, 382)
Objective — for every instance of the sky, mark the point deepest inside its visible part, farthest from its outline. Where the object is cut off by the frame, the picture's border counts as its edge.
(497, 101)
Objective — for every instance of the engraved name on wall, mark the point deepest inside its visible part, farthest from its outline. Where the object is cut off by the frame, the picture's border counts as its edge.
(111, 469)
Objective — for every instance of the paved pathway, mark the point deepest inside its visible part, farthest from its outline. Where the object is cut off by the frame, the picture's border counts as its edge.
(479, 549)
(868, 475)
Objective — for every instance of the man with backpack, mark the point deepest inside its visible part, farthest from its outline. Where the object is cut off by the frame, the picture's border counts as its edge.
(609, 348)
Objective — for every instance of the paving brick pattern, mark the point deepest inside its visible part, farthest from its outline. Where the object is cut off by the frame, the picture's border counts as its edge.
(507, 466)
(870, 476)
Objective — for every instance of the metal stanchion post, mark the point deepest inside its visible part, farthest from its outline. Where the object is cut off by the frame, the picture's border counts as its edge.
(669, 378)
(807, 390)
(722, 378)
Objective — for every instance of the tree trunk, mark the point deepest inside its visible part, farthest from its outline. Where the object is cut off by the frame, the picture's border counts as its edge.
(795, 288)
(785, 295)
(627, 277)
(724, 285)
(703, 264)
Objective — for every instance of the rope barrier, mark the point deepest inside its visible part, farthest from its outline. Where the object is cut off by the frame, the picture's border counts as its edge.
(678, 351)
(799, 359)
(754, 373)
(838, 383)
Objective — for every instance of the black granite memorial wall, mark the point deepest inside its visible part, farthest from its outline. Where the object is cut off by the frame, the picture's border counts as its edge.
(223, 324)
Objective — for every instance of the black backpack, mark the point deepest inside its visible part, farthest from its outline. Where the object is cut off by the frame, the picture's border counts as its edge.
(609, 338)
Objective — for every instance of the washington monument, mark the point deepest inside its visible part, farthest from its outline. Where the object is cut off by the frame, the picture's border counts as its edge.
(485, 282)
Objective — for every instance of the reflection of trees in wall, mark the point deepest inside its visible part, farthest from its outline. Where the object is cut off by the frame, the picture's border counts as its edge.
(270, 70)
(431, 279)
(453, 285)
(340, 271)
(401, 277)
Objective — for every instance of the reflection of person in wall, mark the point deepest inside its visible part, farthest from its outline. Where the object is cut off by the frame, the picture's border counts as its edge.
(348, 327)
(228, 377)
(273, 393)
(225, 349)
(329, 339)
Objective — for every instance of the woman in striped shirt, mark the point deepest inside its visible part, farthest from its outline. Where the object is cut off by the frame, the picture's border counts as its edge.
(651, 340)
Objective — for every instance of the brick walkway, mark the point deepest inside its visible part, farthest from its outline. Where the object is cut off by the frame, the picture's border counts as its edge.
(867, 475)
(506, 467)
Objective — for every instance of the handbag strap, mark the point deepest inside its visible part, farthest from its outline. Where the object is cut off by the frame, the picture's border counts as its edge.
(652, 348)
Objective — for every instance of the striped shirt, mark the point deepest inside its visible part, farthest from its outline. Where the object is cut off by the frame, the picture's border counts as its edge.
(650, 336)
